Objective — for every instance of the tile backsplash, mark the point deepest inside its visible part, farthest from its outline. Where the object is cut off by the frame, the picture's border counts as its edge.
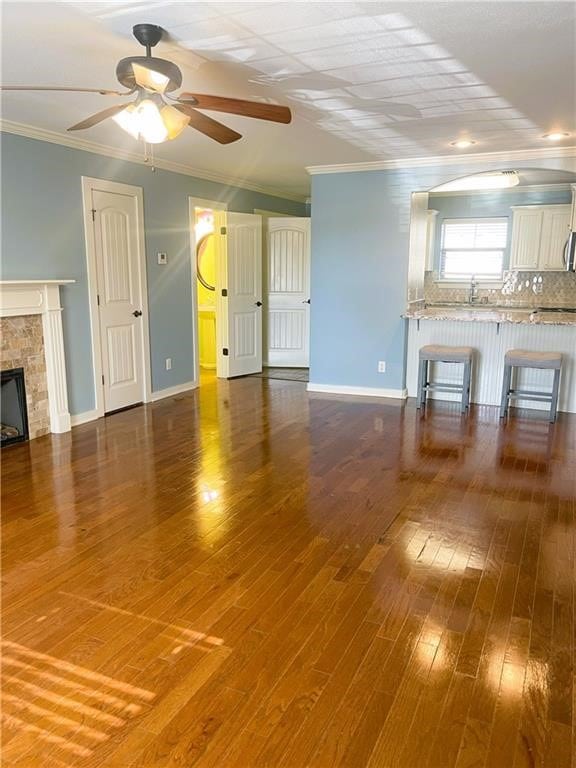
(519, 289)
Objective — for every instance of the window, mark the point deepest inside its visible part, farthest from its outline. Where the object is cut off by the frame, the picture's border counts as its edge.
(473, 248)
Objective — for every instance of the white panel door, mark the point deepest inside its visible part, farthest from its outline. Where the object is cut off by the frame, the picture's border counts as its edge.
(120, 313)
(244, 287)
(288, 292)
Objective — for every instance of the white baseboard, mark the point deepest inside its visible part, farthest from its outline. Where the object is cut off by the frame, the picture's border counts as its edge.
(82, 418)
(171, 391)
(337, 389)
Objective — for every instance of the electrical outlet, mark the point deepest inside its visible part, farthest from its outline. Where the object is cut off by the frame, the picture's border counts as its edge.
(168, 363)
(381, 366)
(162, 258)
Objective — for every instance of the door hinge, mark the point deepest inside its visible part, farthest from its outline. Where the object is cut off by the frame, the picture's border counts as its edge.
(225, 351)
(223, 231)
(224, 292)
(98, 298)
(93, 212)
(102, 379)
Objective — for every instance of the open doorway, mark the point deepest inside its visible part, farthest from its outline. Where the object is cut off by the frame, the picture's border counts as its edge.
(207, 218)
(227, 290)
(206, 289)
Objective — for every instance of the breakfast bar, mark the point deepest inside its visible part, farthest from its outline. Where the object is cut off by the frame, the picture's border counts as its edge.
(492, 331)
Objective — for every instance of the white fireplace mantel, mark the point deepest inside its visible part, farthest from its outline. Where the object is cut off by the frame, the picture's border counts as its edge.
(42, 297)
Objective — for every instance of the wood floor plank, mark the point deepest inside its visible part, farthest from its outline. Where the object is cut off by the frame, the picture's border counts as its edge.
(252, 576)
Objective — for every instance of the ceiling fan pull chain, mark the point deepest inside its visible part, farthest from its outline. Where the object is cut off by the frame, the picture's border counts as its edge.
(149, 156)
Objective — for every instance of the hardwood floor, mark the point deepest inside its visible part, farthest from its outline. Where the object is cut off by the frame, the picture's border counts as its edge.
(247, 576)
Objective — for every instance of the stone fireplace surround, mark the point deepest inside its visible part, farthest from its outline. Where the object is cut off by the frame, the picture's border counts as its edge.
(21, 300)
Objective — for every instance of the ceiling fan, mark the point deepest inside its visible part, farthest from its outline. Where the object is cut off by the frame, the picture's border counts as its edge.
(150, 117)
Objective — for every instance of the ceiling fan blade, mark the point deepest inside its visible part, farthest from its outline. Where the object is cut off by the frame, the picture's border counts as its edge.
(101, 91)
(209, 127)
(257, 109)
(98, 117)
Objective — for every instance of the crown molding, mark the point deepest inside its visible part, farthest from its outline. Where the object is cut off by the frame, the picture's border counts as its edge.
(66, 140)
(513, 156)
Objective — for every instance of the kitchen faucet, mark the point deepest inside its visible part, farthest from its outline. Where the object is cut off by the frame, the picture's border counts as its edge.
(473, 292)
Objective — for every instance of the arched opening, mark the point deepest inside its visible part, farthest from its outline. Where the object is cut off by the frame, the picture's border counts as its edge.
(473, 237)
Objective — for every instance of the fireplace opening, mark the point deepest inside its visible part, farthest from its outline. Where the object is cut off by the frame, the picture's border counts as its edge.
(13, 411)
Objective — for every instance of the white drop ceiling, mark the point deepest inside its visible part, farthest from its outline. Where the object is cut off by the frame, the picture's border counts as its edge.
(366, 80)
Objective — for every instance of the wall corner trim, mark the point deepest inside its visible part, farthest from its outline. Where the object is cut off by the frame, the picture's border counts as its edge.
(74, 142)
(338, 389)
(83, 418)
(476, 158)
(179, 389)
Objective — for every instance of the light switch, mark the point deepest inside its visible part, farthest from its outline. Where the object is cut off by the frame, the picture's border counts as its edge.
(162, 258)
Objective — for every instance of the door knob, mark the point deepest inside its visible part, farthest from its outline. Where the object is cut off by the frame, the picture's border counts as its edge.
(137, 313)
(306, 301)
(258, 304)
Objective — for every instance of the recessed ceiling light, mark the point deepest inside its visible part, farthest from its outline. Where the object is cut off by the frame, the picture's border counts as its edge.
(462, 143)
(556, 136)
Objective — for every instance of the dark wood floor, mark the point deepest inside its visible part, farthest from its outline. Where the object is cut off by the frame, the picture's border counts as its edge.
(250, 576)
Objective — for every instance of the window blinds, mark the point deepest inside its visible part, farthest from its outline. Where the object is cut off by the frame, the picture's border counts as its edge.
(473, 247)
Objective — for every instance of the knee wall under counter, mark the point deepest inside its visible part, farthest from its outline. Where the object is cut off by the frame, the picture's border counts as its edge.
(491, 341)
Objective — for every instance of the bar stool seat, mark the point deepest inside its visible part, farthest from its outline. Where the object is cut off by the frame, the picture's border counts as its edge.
(439, 353)
(524, 358)
(442, 354)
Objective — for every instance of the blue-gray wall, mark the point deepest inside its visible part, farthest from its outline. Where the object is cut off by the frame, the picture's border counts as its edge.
(497, 204)
(43, 237)
(360, 231)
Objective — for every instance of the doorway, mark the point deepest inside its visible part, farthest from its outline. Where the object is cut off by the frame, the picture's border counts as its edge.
(206, 267)
(227, 290)
(114, 231)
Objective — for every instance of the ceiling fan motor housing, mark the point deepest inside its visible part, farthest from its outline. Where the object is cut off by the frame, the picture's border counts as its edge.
(125, 72)
(147, 35)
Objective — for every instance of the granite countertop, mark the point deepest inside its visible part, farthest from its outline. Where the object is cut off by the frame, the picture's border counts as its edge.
(484, 314)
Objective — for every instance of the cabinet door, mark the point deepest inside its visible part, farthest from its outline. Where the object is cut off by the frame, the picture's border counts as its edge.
(526, 234)
(555, 231)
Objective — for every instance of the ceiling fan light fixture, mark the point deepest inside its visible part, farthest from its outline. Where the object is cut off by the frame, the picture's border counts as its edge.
(150, 124)
(150, 79)
(143, 121)
(174, 121)
(128, 121)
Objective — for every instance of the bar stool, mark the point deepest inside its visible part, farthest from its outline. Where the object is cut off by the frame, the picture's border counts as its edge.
(522, 358)
(436, 353)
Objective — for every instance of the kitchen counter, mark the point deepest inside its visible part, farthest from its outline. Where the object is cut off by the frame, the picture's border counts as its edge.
(487, 314)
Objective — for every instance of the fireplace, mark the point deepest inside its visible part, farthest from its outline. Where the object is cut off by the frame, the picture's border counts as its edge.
(31, 338)
(13, 410)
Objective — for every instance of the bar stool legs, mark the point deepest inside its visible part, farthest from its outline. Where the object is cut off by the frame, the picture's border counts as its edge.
(422, 382)
(555, 391)
(521, 358)
(506, 381)
(466, 385)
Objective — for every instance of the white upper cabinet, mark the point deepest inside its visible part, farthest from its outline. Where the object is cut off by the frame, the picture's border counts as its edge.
(539, 235)
(555, 231)
(526, 234)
